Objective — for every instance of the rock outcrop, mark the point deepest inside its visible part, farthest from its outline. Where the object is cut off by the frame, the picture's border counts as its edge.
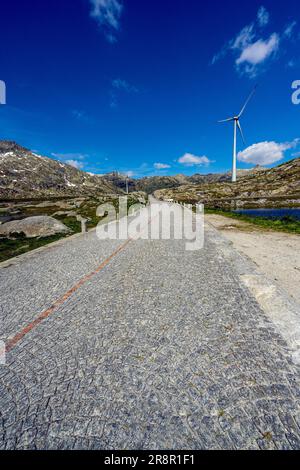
(33, 227)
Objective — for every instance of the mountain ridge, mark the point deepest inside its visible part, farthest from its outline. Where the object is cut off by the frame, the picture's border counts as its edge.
(25, 174)
(270, 187)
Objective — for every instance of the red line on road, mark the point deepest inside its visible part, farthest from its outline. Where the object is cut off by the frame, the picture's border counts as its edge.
(46, 313)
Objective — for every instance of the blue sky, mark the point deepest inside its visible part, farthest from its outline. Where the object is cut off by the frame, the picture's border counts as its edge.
(138, 86)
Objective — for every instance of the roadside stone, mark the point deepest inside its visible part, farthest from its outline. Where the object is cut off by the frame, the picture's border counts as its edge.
(31, 227)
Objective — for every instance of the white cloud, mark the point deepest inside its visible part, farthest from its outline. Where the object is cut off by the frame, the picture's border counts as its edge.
(252, 51)
(69, 156)
(161, 166)
(244, 38)
(113, 100)
(107, 13)
(128, 173)
(75, 163)
(291, 64)
(74, 159)
(219, 55)
(189, 159)
(80, 115)
(288, 32)
(266, 153)
(263, 16)
(120, 84)
(238, 43)
(111, 38)
(258, 52)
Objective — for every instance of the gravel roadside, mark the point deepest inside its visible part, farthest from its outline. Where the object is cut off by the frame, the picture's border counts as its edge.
(276, 254)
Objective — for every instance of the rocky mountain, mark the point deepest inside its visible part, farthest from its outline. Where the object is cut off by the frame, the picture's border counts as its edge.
(146, 184)
(118, 180)
(261, 187)
(154, 183)
(222, 177)
(24, 174)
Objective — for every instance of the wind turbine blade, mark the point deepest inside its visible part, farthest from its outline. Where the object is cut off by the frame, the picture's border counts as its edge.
(247, 101)
(240, 129)
(227, 120)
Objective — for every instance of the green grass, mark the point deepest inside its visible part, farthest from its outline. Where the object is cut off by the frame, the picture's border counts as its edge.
(70, 222)
(284, 224)
(10, 248)
(88, 209)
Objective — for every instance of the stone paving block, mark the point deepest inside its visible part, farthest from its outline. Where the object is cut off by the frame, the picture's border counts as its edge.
(162, 349)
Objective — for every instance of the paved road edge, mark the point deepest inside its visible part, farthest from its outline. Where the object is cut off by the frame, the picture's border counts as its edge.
(281, 309)
(29, 254)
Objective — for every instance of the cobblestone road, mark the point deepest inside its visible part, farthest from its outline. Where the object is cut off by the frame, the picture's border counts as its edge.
(161, 349)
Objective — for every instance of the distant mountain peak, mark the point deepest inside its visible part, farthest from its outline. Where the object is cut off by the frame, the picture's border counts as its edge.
(11, 146)
(26, 175)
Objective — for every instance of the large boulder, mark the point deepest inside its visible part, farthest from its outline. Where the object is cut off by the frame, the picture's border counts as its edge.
(31, 227)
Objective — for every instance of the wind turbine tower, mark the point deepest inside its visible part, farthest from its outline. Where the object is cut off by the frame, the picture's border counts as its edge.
(237, 124)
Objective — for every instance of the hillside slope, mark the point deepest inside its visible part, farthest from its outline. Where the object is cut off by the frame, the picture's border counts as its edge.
(147, 184)
(150, 184)
(275, 187)
(24, 174)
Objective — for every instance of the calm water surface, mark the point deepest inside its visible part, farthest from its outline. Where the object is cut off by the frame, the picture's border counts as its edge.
(271, 213)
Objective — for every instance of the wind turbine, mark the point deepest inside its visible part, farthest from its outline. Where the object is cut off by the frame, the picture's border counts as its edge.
(236, 123)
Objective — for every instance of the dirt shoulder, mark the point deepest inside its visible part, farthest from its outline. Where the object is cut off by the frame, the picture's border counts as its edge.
(277, 254)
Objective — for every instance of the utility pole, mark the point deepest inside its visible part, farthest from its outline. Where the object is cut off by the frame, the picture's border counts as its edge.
(127, 191)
